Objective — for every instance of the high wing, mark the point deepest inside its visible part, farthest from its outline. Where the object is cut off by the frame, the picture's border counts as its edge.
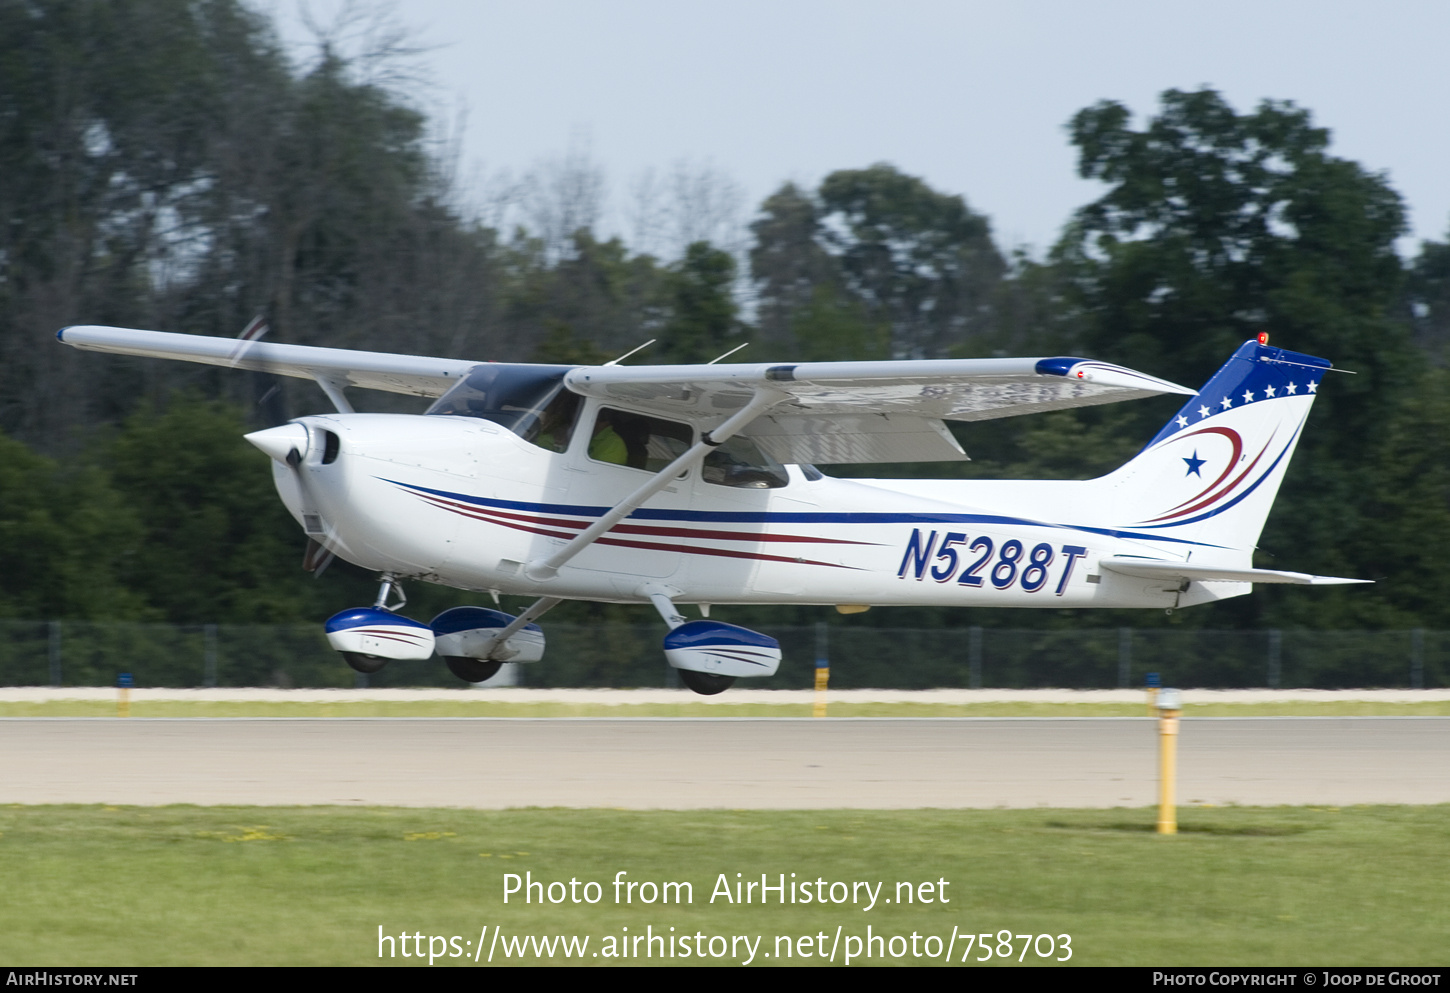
(829, 412)
(835, 412)
(418, 375)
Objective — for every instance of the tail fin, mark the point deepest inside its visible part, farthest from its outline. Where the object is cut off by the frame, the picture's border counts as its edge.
(1211, 475)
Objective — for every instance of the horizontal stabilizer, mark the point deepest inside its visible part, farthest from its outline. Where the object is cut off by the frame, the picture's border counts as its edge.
(1158, 569)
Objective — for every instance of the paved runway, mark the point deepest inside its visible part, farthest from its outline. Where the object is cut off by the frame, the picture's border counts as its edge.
(730, 763)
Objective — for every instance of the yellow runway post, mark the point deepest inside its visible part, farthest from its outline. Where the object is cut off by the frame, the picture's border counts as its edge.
(823, 668)
(1169, 710)
(123, 695)
(823, 676)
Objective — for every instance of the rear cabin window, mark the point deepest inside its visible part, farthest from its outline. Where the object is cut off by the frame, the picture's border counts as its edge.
(740, 462)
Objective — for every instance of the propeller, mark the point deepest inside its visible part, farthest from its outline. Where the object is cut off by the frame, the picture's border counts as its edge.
(286, 443)
(255, 331)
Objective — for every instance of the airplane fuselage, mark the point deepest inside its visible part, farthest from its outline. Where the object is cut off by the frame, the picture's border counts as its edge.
(465, 502)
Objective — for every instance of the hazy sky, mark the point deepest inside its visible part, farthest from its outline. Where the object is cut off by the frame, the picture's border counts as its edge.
(971, 96)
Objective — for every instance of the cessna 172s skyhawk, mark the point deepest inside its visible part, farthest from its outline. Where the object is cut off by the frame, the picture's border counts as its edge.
(694, 484)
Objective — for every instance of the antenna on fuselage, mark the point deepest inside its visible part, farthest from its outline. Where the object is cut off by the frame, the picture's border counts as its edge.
(631, 352)
(728, 354)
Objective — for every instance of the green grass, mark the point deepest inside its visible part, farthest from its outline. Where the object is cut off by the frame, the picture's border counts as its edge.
(688, 708)
(311, 885)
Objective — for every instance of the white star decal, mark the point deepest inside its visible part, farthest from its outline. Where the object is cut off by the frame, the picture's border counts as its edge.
(1248, 397)
(1268, 391)
(1293, 387)
(1202, 411)
(1312, 385)
(1182, 421)
(1227, 403)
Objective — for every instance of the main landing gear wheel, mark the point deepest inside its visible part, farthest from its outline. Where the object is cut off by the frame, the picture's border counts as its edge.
(471, 670)
(364, 663)
(705, 683)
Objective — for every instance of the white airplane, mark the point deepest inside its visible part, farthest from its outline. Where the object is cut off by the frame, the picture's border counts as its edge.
(694, 484)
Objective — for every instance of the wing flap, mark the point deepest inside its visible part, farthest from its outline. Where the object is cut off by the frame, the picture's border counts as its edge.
(855, 438)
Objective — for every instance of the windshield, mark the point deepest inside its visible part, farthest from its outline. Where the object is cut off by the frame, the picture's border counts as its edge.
(516, 396)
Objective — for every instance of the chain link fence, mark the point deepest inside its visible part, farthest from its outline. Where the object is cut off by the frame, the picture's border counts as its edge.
(75, 653)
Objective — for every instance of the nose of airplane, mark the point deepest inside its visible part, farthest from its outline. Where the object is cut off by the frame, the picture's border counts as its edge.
(281, 441)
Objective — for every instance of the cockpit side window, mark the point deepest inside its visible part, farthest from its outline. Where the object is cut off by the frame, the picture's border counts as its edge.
(637, 441)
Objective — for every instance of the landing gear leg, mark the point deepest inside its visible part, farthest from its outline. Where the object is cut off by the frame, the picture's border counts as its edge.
(369, 664)
(704, 683)
(665, 606)
(390, 585)
(370, 637)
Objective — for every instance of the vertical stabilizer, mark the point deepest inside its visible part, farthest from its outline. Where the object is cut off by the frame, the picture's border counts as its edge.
(1211, 474)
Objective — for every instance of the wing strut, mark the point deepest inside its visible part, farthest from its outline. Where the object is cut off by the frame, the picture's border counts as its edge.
(547, 568)
(332, 386)
(537, 609)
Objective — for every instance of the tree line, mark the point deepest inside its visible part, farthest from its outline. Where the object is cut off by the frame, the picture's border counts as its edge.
(164, 165)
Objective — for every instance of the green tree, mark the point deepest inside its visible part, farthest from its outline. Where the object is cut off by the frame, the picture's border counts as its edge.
(108, 113)
(162, 165)
(875, 254)
(596, 302)
(804, 310)
(216, 543)
(1217, 226)
(833, 327)
(918, 259)
(68, 541)
(789, 266)
(1429, 299)
(1405, 533)
(703, 321)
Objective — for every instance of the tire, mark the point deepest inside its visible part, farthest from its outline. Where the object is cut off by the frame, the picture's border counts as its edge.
(363, 663)
(471, 670)
(705, 683)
